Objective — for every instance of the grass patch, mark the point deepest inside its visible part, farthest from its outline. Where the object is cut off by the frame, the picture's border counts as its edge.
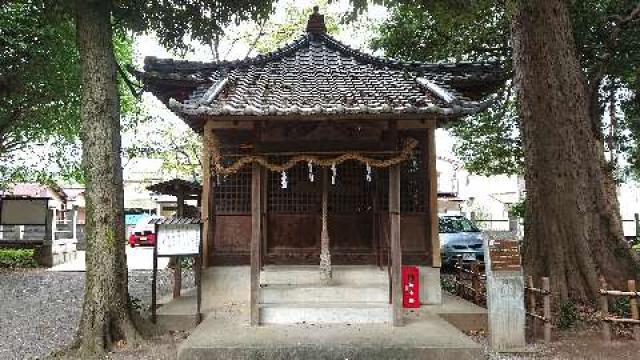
(17, 258)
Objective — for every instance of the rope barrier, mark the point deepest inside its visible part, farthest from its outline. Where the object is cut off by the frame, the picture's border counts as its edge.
(407, 150)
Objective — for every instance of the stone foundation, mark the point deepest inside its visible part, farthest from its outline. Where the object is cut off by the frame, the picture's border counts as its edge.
(430, 289)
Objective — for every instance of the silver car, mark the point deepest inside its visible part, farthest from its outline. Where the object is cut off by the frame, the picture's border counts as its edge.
(459, 238)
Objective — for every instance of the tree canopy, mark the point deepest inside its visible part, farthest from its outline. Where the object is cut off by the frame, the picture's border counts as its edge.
(608, 44)
(40, 90)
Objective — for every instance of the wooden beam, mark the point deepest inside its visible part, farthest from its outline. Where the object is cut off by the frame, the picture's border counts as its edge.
(238, 119)
(256, 239)
(432, 204)
(396, 248)
(177, 266)
(207, 193)
(417, 124)
(264, 211)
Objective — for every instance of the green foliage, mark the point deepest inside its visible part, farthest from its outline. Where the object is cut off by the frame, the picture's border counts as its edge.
(436, 31)
(448, 285)
(489, 142)
(186, 263)
(517, 210)
(39, 72)
(178, 148)
(568, 315)
(175, 23)
(17, 258)
(608, 48)
(621, 307)
(40, 93)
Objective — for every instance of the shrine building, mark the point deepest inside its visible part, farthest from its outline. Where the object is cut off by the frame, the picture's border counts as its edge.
(320, 157)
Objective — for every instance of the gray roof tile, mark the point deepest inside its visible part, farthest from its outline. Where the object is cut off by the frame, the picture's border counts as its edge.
(316, 74)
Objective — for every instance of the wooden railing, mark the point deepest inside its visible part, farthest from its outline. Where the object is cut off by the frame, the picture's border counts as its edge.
(476, 292)
(533, 293)
(607, 319)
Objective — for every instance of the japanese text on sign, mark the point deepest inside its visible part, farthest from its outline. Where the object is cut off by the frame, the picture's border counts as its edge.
(178, 239)
(505, 255)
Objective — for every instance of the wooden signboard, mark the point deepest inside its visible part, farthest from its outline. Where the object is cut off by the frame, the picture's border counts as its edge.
(179, 237)
(505, 255)
(23, 211)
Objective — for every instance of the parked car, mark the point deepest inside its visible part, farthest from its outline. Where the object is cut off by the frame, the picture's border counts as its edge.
(143, 234)
(459, 238)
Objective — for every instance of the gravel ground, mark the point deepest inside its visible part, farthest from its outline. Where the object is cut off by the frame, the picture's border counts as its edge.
(39, 310)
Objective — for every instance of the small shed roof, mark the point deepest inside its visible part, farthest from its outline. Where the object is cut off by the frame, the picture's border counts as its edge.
(175, 187)
(318, 75)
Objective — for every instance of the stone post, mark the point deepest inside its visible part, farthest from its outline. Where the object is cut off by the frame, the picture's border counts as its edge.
(505, 295)
(74, 224)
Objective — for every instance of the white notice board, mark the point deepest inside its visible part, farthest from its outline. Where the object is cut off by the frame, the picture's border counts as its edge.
(178, 239)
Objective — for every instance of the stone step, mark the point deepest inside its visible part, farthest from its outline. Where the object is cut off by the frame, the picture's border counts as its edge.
(325, 313)
(307, 275)
(323, 294)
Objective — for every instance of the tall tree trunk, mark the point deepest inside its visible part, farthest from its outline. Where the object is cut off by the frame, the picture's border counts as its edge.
(573, 232)
(105, 315)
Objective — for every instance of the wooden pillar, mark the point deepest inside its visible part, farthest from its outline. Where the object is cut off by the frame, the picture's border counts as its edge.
(74, 223)
(180, 203)
(206, 202)
(264, 210)
(532, 308)
(546, 308)
(396, 249)
(633, 306)
(604, 310)
(325, 253)
(433, 197)
(256, 240)
(177, 266)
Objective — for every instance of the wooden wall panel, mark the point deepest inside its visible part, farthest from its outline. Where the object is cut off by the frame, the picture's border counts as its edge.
(232, 234)
(293, 231)
(350, 233)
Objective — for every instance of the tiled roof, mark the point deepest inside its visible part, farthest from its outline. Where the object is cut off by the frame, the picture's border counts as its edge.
(315, 75)
(175, 221)
(35, 190)
(175, 186)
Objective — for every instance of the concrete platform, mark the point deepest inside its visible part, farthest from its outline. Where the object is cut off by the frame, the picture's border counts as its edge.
(462, 314)
(302, 302)
(178, 314)
(302, 320)
(424, 336)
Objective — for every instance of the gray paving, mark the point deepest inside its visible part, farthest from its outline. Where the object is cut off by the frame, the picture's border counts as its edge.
(39, 310)
(424, 336)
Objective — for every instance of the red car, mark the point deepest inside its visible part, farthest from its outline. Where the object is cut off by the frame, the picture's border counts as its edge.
(146, 238)
(142, 234)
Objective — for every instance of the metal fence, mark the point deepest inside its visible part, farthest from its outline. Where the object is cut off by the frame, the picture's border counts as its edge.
(22, 233)
(493, 225)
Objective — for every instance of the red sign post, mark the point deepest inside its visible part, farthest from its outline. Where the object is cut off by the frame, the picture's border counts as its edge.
(410, 287)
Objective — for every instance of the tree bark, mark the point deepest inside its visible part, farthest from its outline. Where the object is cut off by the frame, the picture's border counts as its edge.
(106, 317)
(573, 230)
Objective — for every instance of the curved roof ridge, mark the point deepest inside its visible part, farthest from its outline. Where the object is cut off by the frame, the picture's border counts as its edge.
(186, 66)
(152, 63)
(411, 65)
